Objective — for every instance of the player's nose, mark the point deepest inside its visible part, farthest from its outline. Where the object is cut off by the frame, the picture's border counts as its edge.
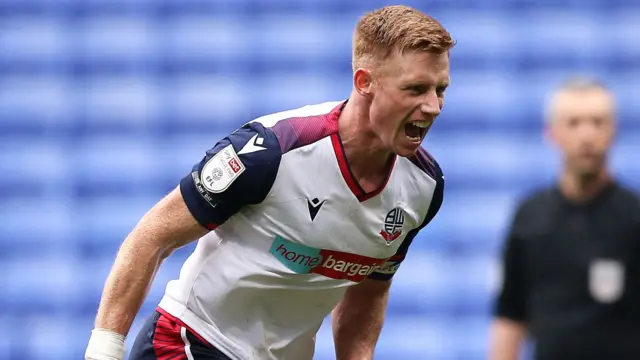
(430, 106)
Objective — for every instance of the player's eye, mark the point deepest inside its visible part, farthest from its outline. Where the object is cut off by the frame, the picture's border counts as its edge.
(441, 89)
(598, 121)
(573, 122)
(417, 89)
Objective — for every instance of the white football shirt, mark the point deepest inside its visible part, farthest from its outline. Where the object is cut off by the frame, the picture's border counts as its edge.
(291, 230)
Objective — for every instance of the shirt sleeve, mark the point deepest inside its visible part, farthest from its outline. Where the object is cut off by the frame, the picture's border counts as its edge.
(511, 299)
(238, 171)
(389, 269)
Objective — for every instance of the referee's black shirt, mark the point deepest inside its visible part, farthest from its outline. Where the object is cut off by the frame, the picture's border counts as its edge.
(572, 275)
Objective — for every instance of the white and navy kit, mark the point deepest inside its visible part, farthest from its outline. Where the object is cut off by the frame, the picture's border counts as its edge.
(291, 230)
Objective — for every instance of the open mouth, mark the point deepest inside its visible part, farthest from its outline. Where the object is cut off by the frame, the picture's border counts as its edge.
(416, 130)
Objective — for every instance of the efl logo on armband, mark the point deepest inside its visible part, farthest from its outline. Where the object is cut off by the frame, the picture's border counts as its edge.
(303, 259)
(219, 172)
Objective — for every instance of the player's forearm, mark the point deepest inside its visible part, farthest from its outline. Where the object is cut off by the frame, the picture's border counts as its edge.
(167, 226)
(357, 321)
(356, 335)
(507, 337)
(128, 283)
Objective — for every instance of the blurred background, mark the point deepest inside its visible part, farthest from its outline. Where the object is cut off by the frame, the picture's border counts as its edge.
(106, 104)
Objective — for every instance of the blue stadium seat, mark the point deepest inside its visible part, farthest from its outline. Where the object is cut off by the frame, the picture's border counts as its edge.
(104, 39)
(317, 88)
(42, 284)
(408, 336)
(34, 41)
(415, 338)
(205, 102)
(208, 37)
(121, 103)
(424, 285)
(36, 102)
(34, 225)
(9, 339)
(492, 159)
(53, 337)
(101, 160)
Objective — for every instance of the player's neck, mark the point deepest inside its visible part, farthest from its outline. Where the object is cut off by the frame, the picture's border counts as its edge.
(581, 188)
(367, 160)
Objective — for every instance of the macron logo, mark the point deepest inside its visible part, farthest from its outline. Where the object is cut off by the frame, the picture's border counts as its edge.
(332, 264)
(253, 145)
(314, 206)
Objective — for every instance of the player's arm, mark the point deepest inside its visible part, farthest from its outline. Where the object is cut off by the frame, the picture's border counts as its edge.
(508, 330)
(167, 226)
(238, 171)
(357, 320)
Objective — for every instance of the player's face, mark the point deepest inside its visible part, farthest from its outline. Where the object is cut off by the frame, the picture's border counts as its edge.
(583, 128)
(408, 95)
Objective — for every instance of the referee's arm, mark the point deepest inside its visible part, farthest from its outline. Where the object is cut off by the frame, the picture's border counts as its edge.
(508, 329)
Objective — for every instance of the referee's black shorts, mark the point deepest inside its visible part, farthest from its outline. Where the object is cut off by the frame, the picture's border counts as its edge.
(165, 338)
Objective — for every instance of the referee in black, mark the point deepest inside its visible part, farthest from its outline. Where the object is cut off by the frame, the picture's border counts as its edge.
(571, 266)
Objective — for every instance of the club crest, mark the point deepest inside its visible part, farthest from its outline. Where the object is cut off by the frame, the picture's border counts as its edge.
(393, 224)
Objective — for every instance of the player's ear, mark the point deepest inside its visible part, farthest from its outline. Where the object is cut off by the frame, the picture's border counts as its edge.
(363, 81)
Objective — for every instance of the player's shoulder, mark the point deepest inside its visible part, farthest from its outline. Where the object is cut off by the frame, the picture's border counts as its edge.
(425, 162)
(258, 145)
(302, 126)
(426, 178)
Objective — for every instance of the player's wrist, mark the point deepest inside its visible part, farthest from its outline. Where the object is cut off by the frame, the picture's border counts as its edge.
(105, 345)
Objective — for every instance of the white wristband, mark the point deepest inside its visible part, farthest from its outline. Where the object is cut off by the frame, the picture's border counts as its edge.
(105, 345)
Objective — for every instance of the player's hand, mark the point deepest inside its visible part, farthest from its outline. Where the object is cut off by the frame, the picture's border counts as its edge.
(105, 345)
